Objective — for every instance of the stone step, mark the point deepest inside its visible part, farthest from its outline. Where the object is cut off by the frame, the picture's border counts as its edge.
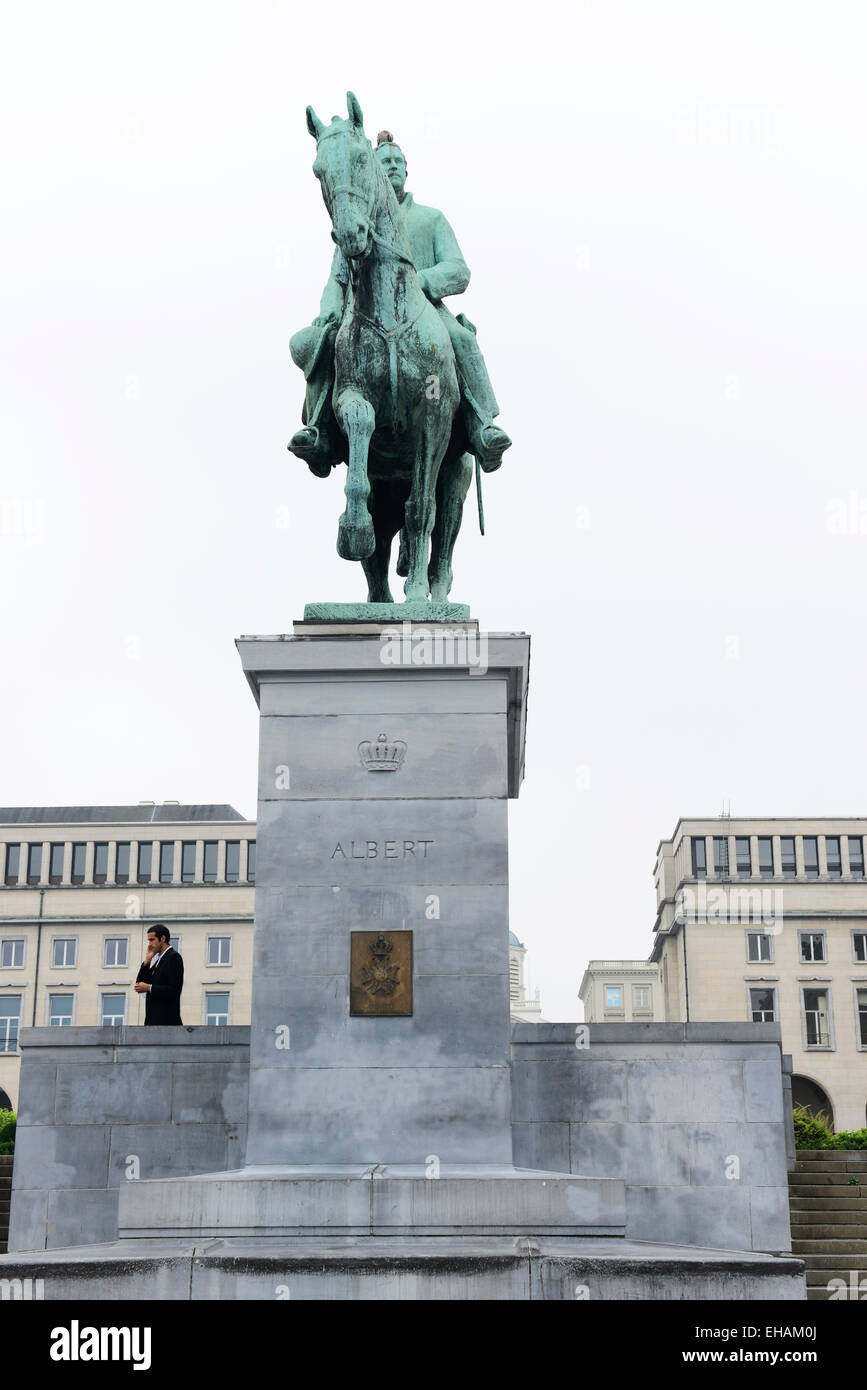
(823, 1204)
(798, 1180)
(821, 1245)
(807, 1214)
(817, 1229)
(806, 1155)
(828, 1189)
(845, 1166)
(835, 1263)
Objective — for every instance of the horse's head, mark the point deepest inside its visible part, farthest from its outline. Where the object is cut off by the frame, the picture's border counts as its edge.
(347, 174)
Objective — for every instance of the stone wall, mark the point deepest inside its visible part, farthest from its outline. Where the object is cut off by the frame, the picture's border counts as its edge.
(689, 1115)
(92, 1099)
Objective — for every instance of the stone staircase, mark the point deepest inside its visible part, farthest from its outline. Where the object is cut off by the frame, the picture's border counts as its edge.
(829, 1219)
(5, 1198)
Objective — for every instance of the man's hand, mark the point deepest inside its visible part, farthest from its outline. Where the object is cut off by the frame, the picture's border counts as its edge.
(141, 988)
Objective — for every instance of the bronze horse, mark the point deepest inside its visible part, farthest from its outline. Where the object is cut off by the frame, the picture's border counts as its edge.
(396, 391)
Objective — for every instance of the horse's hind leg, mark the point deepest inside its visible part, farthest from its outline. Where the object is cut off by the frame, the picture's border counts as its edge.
(452, 486)
(355, 536)
(387, 513)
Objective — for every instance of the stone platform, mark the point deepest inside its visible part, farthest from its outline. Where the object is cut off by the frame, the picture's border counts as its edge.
(401, 1268)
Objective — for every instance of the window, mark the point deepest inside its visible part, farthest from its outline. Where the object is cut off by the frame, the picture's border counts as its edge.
(121, 868)
(188, 861)
(721, 855)
(641, 996)
(759, 946)
(112, 1010)
(861, 1005)
(766, 856)
(816, 1029)
(743, 858)
(832, 856)
(63, 951)
(79, 858)
(613, 997)
(116, 951)
(175, 942)
(34, 863)
(145, 861)
(699, 857)
(859, 945)
(788, 862)
(856, 856)
(762, 1006)
(13, 863)
(209, 873)
(219, 950)
(100, 862)
(216, 1009)
(812, 945)
(167, 861)
(12, 953)
(233, 861)
(55, 864)
(811, 856)
(10, 1017)
(60, 1010)
(251, 861)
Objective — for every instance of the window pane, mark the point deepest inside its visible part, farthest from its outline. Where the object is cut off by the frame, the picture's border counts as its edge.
(167, 861)
(251, 861)
(233, 860)
(787, 855)
(812, 946)
(55, 864)
(758, 946)
(742, 852)
(116, 950)
(100, 862)
(816, 1017)
(217, 1009)
(145, 861)
(832, 855)
(612, 997)
(641, 996)
(859, 943)
(188, 861)
(862, 1016)
(113, 1010)
(79, 855)
(13, 863)
(218, 950)
(762, 1005)
(10, 1016)
(721, 855)
(699, 857)
(34, 863)
(811, 856)
(12, 953)
(63, 953)
(210, 870)
(856, 856)
(121, 868)
(766, 856)
(60, 1010)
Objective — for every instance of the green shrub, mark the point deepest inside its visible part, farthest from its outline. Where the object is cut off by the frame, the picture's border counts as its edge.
(814, 1132)
(7, 1131)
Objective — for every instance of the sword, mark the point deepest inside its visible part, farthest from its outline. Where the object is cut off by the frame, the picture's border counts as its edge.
(479, 498)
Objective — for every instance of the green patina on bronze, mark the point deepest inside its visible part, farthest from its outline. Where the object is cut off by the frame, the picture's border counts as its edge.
(396, 385)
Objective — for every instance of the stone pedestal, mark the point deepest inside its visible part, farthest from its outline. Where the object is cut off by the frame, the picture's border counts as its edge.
(384, 770)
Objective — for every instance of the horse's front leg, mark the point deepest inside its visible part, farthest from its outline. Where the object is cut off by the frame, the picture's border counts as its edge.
(355, 535)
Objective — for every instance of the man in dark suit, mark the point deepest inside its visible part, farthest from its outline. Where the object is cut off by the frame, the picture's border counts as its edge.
(161, 978)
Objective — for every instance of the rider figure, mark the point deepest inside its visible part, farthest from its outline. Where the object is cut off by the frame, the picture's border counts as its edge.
(441, 271)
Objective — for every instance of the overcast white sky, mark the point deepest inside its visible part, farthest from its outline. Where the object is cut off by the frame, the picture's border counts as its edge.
(663, 207)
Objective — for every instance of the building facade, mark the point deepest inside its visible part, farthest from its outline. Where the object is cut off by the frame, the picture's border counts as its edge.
(766, 920)
(523, 1007)
(621, 991)
(79, 887)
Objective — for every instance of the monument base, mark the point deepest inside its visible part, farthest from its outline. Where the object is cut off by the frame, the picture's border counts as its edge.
(410, 611)
(477, 1268)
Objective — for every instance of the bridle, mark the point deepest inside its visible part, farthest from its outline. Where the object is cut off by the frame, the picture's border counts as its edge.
(369, 198)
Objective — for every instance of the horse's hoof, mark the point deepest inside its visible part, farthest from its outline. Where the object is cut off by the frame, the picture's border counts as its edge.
(355, 542)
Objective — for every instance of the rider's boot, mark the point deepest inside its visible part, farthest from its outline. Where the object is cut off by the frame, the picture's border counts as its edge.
(487, 441)
(308, 444)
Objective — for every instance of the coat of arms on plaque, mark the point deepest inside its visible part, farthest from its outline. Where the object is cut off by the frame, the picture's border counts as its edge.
(380, 977)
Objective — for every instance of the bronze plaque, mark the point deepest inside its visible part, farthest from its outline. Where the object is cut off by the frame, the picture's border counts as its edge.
(380, 973)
